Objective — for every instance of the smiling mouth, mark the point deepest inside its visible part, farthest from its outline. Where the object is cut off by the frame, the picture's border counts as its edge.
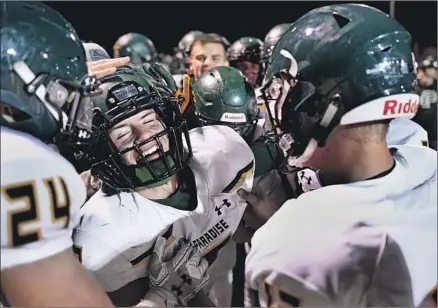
(151, 153)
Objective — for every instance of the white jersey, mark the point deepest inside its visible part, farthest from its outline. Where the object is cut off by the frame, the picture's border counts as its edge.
(117, 233)
(370, 243)
(41, 194)
(404, 131)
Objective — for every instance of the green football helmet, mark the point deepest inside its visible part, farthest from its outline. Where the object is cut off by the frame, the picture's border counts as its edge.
(246, 49)
(271, 39)
(45, 85)
(338, 65)
(138, 47)
(125, 94)
(224, 97)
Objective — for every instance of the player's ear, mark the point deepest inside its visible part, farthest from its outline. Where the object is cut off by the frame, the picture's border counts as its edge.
(5, 110)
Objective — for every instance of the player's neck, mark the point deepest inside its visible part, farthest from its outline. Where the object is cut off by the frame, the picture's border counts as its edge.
(359, 163)
(160, 192)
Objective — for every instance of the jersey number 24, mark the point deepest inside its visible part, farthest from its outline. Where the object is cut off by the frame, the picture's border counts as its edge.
(27, 193)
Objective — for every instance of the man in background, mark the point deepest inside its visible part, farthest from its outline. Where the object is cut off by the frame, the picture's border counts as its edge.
(207, 51)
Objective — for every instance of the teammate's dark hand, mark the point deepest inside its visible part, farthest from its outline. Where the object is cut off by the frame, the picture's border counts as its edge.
(158, 71)
(258, 211)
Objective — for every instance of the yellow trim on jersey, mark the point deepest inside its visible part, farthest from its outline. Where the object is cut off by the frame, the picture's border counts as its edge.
(169, 241)
(261, 106)
(240, 178)
(188, 93)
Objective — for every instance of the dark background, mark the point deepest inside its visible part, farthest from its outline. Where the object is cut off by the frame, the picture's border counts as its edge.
(165, 22)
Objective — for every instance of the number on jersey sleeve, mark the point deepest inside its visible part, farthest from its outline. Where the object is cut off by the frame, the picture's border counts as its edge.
(27, 193)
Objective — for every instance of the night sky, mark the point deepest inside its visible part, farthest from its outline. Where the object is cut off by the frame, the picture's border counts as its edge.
(166, 22)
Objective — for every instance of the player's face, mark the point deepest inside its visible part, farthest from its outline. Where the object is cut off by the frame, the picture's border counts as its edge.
(431, 72)
(325, 158)
(250, 70)
(208, 56)
(135, 130)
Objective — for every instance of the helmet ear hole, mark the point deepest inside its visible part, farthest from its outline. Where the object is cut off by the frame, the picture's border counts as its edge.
(11, 114)
(386, 49)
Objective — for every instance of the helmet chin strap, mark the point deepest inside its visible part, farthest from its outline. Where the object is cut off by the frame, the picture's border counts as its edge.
(27, 76)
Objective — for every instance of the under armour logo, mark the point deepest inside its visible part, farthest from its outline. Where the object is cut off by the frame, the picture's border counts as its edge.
(178, 288)
(303, 178)
(218, 208)
(83, 134)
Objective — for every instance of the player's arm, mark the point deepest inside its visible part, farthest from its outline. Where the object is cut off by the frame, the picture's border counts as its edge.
(56, 281)
(122, 276)
(39, 207)
(130, 294)
(288, 266)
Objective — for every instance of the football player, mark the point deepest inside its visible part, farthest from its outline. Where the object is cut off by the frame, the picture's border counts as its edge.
(44, 105)
(159, 181)
(138, 47)
(356, 243)
(427, 113)
(225, 97)
(245, 55)
(271, 39)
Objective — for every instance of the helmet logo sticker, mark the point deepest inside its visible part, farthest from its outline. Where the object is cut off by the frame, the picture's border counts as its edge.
(96, 54)
(233, 117)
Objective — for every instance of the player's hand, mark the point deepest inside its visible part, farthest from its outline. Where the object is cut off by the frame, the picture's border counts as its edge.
(243, 233)
(159, 72)
(105, 67)
(258, 211)
(178, 267)
(91, 183)
(266, 197)
(195, 70)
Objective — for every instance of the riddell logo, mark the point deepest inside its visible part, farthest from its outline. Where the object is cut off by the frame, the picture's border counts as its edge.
(233, 117)
(394, 107)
